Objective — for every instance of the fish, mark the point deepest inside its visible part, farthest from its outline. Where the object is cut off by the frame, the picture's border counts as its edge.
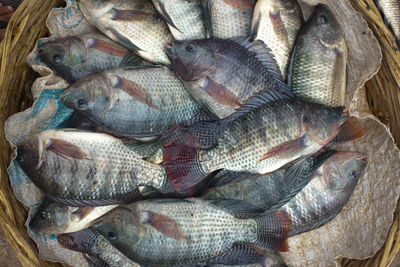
(54, 218)
(98, 251)
(184, 18)
(174, 232)
(327, 193)
(271, 190)
(228, 18)
(134, 24)
(222, 75)
(318, 71)
(74, 57)
(260, 138)
(78, 168)
(391, 13)
(277, 22)
(138, 103)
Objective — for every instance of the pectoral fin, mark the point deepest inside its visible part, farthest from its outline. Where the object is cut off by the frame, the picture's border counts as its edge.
(165, 225)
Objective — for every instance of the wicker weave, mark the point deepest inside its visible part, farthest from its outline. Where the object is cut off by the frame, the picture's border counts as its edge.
(16, 77)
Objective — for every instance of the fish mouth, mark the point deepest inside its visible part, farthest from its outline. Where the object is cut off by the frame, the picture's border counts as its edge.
(171, 53)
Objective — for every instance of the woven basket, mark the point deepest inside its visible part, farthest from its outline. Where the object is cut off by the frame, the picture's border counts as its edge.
(16, 78)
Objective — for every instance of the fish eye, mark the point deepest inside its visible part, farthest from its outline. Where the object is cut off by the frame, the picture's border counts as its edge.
(42, 215)
(112, 235)
(57, 58)
(326, 112)
(82, 103)
(323, 19)
(353, 175)
(191, 47)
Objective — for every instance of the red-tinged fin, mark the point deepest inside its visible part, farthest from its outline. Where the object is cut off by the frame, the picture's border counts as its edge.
(79, 241)
(107, 47)
(350, 130)
(292, 146)
(182, 166)
(165, 225)
(65, 149)
(279, 27)
(220, 93)
(131, 15)
(134, 90)
(273, 229)
(243, 5)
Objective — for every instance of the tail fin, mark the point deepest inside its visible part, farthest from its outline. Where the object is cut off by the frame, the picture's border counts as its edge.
(182, 166)
(350, 130)
(79, 241)
(273, 229)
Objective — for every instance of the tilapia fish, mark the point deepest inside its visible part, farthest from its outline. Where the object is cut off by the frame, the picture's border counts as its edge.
(318, 71)
(261, 140)
(184, 18)
(272, 190)
(276, 22)
(98, 251)
(54, 218)
(134, 24)
(137, 103)
(223, 74)
(327, 193)
(77, 56)
(79, 168)
(173, 232)
(391, 12)
(228, 18)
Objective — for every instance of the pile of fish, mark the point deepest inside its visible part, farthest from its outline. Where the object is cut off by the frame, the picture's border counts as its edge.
(201, 133)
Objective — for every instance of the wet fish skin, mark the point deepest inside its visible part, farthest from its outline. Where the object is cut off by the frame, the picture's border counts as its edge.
(134, 24)
(174, 232)
(184, 18)
(228, 18)
(96, 246)
(391, 12)
(277, 22)
(136, 103)
(320, 57)
(223, 74)
(327, 193)
(79, 168)
(54, 218)
(77, 56)
(262, 140)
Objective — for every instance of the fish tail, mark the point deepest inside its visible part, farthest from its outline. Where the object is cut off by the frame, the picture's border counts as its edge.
(182, 165)
(273, 229)
(79, 241)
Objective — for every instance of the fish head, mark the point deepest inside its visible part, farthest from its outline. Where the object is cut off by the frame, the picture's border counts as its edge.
(96, 8)
(51, 217)
(191, 60)
(63, 55)
(324, 26)
(321, 122)
(343, 170)
(90, 94)
(120, 227)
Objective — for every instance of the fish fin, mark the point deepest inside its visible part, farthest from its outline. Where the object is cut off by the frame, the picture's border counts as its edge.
(82, 212)
(290, 67)
(80, 241)
(207, 17)
(273, 229)
(134, 90)
(165, 16)
(264, 54)
(131, 15)
(126, 42)
(95, 261)
(123, 199)
(238, 208)
(182, 165)
(350, 130)
(106, 47)
(243, 5)
(130, 59)
(289, 146)
(220, 93)
(65, 149)
(165, 225)
(226, 177)
(238, 254)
